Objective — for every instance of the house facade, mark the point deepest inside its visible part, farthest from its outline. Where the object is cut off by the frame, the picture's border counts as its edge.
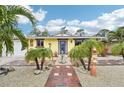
(61, 43)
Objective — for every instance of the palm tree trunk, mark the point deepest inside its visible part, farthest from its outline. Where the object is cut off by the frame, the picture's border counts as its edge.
(89, 60)
(82, 61)
(42, 62)
(37, 64)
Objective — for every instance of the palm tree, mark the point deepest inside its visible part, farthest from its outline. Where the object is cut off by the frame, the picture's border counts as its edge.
(117, 35)
(118, 49)
(90, 44)
(103, 32)
(39, 53)
(79, 53)
(80, 32)
(63, 30)
(36, 32)
(43, 53)
(45, 33)
(9, 28)
(32, 55)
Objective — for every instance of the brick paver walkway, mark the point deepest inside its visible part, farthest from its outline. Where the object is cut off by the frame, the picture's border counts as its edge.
(63, 76)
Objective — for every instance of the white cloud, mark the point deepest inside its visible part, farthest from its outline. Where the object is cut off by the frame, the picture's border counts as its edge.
(39, 15)
(72, 29)
(73, 23)
(56, 22)
(53, 28)
(89, 23)
(41, 28)
(22, 19)
(107, 20)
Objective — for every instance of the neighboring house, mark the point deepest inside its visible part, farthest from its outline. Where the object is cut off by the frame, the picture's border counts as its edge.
(58, 43)
(17, 49)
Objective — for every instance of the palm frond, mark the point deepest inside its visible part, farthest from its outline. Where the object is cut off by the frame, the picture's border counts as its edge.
(21, 37)
(118, 49)
(20, 10)
(38, 53)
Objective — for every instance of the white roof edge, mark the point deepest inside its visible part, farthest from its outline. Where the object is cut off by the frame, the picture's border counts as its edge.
(29, 37)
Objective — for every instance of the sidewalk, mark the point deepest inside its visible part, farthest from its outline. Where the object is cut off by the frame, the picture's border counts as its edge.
(5, 60)
(63, 76)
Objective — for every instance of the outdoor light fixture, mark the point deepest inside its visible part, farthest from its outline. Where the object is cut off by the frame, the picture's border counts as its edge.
(71, 41)
(49, 45)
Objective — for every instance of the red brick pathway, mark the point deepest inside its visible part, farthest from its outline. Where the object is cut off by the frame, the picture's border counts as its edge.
(63, 76)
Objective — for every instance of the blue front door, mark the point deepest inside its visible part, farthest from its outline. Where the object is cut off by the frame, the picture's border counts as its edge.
(63, 46)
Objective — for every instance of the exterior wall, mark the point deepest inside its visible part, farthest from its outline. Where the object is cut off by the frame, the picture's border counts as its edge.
(54, 44)
(71, 44)
(17, 50)
(34, 43)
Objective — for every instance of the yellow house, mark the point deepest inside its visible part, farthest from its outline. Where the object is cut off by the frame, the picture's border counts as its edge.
(58, 43)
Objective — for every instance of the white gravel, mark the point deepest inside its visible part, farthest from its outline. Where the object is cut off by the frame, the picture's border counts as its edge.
(24, 77)
(107, 76)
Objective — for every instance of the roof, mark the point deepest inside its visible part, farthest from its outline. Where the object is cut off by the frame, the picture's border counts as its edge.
(64, 37)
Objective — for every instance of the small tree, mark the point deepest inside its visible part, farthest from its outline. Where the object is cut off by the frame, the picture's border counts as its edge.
(90, 44)
(79, 53)
(43, 53)
(118, 49)
(39, 53)
(33, 55)
(118, 36)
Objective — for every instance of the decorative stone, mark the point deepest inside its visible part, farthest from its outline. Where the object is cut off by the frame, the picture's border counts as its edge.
(11, 69)
(56, 74)
(67, 66)
(57, 66)
(47, 68)
(50, 64)
(69, 74)
(37, 72)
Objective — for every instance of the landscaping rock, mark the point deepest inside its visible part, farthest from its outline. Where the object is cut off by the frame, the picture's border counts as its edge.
(47, 68)
(37, 72)
(11, 69)
(50, 64)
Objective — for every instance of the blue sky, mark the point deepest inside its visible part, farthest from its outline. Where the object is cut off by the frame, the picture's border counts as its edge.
(91, 18)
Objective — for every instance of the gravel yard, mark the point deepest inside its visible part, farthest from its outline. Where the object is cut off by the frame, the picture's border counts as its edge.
(24, 77)
(107, 76)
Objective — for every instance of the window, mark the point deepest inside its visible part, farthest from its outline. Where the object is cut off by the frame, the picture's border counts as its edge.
(78, 42)
(31, 42)
(40, 43)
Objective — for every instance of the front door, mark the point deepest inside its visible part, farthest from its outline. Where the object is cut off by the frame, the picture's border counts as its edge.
(62, 46)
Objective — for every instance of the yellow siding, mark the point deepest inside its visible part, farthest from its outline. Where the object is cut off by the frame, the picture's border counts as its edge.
(54, 44)
(34, 44)
(71, 44)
